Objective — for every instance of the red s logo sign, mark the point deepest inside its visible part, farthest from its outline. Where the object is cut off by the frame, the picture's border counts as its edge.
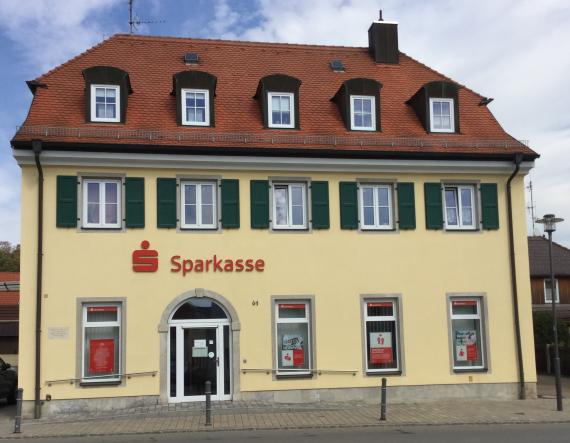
(145, 260)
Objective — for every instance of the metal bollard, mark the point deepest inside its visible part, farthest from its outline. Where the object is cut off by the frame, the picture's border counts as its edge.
(18, 418)
(208, 393)
(383, 401)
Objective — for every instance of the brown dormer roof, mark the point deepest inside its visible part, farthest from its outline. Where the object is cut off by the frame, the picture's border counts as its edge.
(539, 258)
(57, 113)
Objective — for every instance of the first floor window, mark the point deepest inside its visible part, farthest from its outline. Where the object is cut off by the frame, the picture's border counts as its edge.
(102, 203)
(459, 206)
(196, 107)
(441, 115)
(362, 113)
(105, 103)
(281, 114)
(381, 335)
(467, 333)
(199, 205)
(293, 337)
(376, 206)
(548, 291)
(289, 206)
(101, 347)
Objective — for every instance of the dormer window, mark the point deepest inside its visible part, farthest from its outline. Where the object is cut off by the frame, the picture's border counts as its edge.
(196, 107)
(358, 101)
(362, 113)
(441, 115)
(281, 111)
(105, 104)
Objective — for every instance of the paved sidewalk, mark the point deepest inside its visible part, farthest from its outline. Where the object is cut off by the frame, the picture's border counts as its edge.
(270, 416)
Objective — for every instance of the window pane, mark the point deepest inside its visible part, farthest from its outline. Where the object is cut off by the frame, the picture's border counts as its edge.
(446, 123)
(111, 94)
(100, 94)
(369, 216)
(285, 103)
(367, 121)
(436, 108)
(293, 346)
(200, 116)
(111, 192)
(381, 344)
(276, 118)
(437, 122)
(93, 213)
(286, 118)
(297, 195)
(464, 307)
(110, 111)
(207, 214)
(383, 196)
(101, 351)
(190, 194)
(450, 198)
(201, 100)
(292, 310)
(358, 120)
(281, 205)
(358, 105)
(297, 216)
(111, 213)
(445, 109)
(190, 100)
(100, 110)
(367, 106)
(92, 192)
(451, 216)
(102, 313)
(368, 196)
(190, 214)
(384, 216)
(467, 349)
(275, 103)
(207, 194)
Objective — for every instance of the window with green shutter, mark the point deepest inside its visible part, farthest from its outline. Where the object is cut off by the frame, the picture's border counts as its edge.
(406, 206)
(320, 204)
(489, 206)
(66, 204)
(230, 203)
(259, 196)
(433, 206)
(166, 202)
(348, 205)
(134, 202)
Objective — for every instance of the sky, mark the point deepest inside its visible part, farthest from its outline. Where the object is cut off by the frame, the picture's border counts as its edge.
(516, 51)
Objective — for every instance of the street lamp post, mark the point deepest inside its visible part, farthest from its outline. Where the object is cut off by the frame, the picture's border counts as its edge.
(549, 221)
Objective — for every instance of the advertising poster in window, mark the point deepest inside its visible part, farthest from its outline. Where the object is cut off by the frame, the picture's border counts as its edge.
(381, 348)
(466, 345)
(101, 356)
(292, 352)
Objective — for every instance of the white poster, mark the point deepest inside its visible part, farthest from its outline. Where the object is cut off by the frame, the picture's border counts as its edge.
(200, 343)
(287, 357)
(461, 352)
(380, 339)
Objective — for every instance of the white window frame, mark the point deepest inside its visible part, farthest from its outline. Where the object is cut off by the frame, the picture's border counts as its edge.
(206, 93)
(100, 324)
(373, 113)
(94, 117)
(289, 224)
(198, 224)
(376, 226)
(451, 115)
(474, 212)
(270, 96)
(478, 316)
(395, 318)
(102, 206)
(549, 300)
(307, 320)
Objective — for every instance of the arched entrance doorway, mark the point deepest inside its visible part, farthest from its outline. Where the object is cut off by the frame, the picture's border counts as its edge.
(199, 350)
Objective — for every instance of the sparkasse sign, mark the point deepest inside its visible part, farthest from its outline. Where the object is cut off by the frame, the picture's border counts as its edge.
(146, 260)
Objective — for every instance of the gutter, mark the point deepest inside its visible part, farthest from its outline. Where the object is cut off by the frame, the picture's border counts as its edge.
(37, 148)
(522, 395)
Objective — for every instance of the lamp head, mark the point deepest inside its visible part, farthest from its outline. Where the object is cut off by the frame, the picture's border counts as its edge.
(549, 221)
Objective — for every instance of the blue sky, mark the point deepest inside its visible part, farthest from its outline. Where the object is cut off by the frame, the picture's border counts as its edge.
(517, 51)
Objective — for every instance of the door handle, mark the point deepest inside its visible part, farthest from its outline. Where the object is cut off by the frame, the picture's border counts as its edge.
(217, 361)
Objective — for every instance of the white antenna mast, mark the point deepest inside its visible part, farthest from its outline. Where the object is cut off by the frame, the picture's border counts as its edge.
(531, 207)
(134, 21)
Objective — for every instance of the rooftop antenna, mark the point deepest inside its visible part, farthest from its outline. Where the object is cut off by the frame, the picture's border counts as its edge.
(531, 207)
(380, 19)
(134, 21)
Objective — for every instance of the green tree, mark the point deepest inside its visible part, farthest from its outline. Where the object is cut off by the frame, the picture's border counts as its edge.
(9, 257)
(544, 329)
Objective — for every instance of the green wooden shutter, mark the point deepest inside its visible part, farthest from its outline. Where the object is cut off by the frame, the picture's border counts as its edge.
(406, 206)
(134, 202)
(230, 203)
(320, 204)
(348, 205)
(166, 202)
(489, 206)
(66, 205)
(434, 208)
(259, 191)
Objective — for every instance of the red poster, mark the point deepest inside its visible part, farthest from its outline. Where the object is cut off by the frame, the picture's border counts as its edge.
(471, 352)
(380, 304)
(102, 356)
(464, 302)
(102, 309)
(293, 306)
(298, 357)
(381, 355)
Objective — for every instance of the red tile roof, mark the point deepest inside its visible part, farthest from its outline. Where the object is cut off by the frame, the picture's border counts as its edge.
(151, 62)
(9, 276)
(9, 298)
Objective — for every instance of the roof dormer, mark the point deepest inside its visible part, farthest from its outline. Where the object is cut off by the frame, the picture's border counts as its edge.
(437, 106)
(107, 91)
(278, 96)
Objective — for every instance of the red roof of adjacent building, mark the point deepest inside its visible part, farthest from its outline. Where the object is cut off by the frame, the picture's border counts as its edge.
(9, 298)
(57, 113)
(9, 276)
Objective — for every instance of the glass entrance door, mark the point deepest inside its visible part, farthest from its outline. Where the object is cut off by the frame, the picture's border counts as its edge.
(199, 353)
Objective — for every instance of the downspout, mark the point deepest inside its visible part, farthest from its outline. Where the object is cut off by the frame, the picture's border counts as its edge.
(37, 148)
(522, 395)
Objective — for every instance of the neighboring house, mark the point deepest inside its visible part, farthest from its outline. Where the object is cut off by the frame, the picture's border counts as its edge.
(9, 316)
(539, 260)
(289, 222)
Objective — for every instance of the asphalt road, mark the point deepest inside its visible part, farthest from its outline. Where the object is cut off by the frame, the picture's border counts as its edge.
(550, 433)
